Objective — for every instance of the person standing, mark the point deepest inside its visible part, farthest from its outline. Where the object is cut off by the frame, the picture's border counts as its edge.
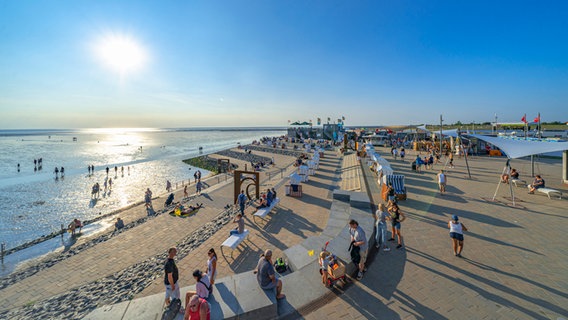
(241, 201)
(185, 193)
(198, 186)
(442, 179)
(168, 186)
(212, 266)
(456, 234)
(396, 218)
(171, 277)
(381, 217)
(359, 239)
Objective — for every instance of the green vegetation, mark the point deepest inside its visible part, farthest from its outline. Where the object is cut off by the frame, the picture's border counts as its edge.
(203, 162)
(487, 126)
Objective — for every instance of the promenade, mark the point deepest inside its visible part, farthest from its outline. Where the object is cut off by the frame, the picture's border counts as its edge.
(512, 267)
(514, 259)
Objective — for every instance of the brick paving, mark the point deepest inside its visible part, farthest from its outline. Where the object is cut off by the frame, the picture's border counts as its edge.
(294, 220)
(515, 258)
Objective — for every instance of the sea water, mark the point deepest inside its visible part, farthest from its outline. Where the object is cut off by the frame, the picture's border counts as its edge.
(35, 203)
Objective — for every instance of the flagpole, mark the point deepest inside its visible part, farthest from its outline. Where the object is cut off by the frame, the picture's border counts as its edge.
(539, 127)
(526, 126)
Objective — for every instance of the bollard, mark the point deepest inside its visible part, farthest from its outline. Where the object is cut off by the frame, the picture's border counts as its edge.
(2, 251)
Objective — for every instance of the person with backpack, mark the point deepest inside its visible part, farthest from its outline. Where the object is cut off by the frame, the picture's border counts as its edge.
(203, 287)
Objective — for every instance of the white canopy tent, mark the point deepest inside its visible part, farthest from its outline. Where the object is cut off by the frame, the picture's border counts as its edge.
(515, 148)
(519, 147)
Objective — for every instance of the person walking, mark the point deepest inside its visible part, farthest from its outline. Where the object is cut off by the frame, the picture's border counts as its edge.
(442, 179)
(456, 234)
(381, 217)
(359, 239)
(241, 201)
(171, 277)
(396, 218)
(168, 186)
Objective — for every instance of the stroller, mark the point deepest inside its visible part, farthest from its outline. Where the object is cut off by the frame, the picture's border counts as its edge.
(169, 200)
(331, 268)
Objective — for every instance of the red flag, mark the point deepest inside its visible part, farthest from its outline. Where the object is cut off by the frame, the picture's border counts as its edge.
(537, 119)
(524, 119)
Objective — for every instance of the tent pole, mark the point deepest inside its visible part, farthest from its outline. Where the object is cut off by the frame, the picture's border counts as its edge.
(466, 163)
(500, 181)
(532, 165)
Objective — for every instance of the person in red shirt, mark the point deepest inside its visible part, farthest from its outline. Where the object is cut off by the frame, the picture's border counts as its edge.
(197, 309)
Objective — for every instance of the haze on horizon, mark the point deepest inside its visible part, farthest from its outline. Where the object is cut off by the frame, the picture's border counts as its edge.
(76, 64)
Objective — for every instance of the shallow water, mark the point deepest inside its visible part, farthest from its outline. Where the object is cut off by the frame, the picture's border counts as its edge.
(35, 203)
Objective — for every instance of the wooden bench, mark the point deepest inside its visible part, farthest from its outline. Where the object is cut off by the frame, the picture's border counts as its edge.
(261, 213)
(548, 191)
(234, 240)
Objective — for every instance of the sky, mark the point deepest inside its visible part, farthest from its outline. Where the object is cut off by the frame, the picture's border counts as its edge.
(91, 64)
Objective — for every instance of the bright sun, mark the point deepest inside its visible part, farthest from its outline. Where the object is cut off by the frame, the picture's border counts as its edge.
(121, 53)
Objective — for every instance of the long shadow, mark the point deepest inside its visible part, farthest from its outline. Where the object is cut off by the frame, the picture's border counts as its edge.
(487, 295)
(228, 297)
(326, 204)
(435, 209)
(444, 225)
(291, 221)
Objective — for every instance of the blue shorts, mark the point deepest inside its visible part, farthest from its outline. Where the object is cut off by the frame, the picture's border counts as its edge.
(457, 236)
(396, 225)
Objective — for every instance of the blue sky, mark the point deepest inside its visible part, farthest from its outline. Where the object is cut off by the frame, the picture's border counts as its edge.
(262, 63)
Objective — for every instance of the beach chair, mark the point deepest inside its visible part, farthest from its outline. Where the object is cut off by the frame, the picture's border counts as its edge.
(397, 181)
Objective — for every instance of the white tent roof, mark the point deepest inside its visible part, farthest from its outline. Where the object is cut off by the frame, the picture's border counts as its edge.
(519, 147)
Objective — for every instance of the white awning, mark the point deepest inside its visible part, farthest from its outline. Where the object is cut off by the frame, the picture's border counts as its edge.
(519, 147)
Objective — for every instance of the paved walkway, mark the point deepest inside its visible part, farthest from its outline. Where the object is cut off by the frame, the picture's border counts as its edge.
(295, 219)
(513, 265)
(514, 259)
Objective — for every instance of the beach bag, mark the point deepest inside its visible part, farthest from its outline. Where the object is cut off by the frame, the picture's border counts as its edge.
(172, 310)
(355, 253)
(280, 265)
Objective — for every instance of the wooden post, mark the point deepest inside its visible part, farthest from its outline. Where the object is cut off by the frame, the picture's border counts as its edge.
(2, 250)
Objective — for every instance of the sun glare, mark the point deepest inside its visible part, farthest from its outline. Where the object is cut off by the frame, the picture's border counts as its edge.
(121, 53)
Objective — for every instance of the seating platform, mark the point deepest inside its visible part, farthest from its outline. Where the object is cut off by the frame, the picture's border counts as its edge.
(548, 191)
(263, 212)
(234, 240)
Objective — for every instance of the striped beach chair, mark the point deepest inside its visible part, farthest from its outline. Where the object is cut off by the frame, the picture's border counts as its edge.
(397, 181)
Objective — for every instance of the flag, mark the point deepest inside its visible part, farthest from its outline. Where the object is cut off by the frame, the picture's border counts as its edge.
(537, 119)
(524, 119)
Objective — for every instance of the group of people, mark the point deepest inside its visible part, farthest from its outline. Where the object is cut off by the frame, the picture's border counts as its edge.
(266, 198)
(57, 171)
(196, 306)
